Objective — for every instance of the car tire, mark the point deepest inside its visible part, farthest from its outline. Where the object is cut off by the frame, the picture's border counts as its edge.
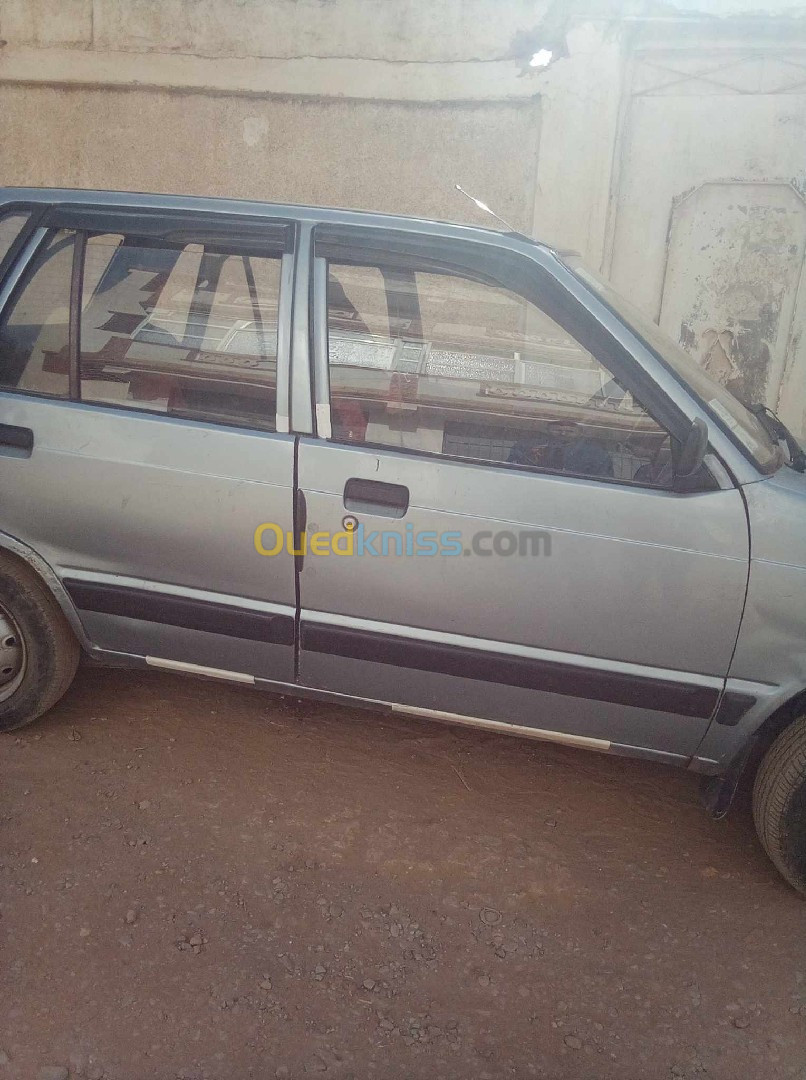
(39, 652)
(779, 803)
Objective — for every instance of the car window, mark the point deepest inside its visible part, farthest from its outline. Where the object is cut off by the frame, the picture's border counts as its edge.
(34, 353)
(444, 364)
(744, 426)
(10, 228)
(180, 330)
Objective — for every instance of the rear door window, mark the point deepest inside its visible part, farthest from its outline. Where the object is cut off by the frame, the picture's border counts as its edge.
(181, 330)
(34, 329)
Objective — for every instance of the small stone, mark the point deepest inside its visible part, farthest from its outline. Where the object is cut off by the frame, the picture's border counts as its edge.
(490, 916)
(573, 1042)
(266, 984)
(368, 984)
(84, 932)
(741, 1021)
(131, 916)
(53, 1072)
(395, 929)
(484, 980)
(196, 941)
(387, 1025)
(281, 1071)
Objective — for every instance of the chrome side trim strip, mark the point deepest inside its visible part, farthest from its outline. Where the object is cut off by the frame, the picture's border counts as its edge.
(198, 669)
(584, 742)
(541, 734)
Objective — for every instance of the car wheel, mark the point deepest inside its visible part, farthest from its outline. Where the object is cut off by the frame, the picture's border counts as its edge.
(38, 650)
(779, 803)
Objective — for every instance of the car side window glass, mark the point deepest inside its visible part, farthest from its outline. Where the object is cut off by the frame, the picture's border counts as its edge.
(445, 364)
(34, 327)
(10, 228)
(180, 330)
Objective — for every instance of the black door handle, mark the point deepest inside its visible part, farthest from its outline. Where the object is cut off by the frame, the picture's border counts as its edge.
(19, 438)
(376, 497)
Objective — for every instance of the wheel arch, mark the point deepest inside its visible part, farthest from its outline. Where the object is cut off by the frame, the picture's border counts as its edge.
(12, 548)
(769, 730)
(717, 791)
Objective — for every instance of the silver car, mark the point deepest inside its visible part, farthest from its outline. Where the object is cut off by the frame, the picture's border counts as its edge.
(433, 469)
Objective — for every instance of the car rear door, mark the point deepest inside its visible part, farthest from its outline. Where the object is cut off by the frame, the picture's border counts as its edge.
(144, 361)
(519, 555)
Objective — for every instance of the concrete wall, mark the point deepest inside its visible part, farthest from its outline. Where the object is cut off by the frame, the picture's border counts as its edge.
(647, 130)
(397, 156)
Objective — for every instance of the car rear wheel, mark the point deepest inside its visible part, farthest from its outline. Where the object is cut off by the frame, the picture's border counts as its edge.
(779, 803)
(38, 650)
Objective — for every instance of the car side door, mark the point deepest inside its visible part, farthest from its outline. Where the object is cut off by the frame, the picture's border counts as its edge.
(146, 355)
(521, 556)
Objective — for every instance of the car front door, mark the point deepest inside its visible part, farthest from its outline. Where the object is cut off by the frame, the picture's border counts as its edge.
(139, 358)
(502, 468)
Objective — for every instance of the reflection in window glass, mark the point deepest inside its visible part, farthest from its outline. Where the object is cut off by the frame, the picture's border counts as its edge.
(447, 365)
(34, 352)
(180, 330)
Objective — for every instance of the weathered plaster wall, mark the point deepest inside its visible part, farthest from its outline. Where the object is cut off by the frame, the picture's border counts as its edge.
(393, 156)
(388, 105)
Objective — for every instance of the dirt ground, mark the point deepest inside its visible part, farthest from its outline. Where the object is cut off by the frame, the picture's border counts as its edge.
(203, 881)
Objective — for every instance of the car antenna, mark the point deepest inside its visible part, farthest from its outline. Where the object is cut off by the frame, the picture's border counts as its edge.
(483, 206)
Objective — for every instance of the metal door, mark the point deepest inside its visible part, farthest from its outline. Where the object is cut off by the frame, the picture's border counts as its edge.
(141, 485)
(617, 629)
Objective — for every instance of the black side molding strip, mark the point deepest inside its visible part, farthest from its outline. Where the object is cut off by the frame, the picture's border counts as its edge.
(190, 614)
(732, 707)
(570, 680)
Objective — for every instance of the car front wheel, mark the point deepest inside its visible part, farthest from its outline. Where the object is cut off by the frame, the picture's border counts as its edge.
(779, 803)
(38, 650)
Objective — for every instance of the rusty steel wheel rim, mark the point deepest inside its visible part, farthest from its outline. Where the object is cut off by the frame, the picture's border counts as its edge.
(12, 655)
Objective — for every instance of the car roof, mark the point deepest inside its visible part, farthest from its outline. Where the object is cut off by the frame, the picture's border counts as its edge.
(246, 207)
